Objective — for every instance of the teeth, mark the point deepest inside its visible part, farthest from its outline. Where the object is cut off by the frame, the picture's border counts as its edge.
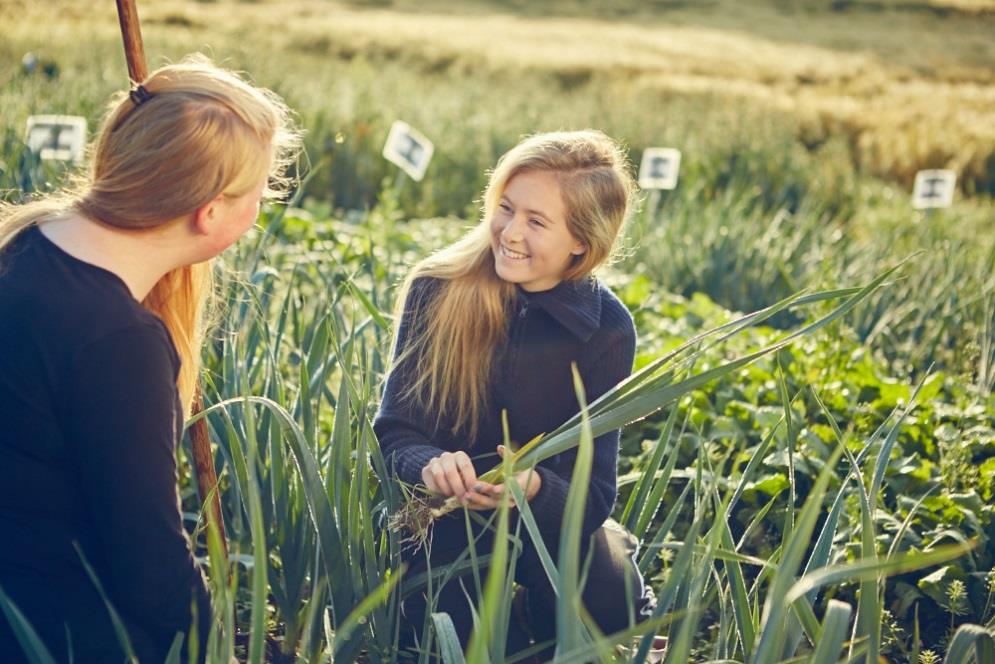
(512, 254)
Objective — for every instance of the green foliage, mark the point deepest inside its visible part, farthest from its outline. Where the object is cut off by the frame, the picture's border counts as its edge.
(746, 245)
(761, 546)
(738, 423)
(310, 333)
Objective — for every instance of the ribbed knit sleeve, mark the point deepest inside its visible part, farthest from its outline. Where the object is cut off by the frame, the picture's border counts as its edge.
(617, 338)
(405, 433)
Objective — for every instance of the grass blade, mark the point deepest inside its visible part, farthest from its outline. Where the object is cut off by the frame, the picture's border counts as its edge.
(872, 568)
(773, 629)
(452, 651)
(570, 633)
(119, 629)
(492, 602)
(357, 617)
(25, 634)
(664, 530)
(966, 636)
(740, 598)
(833, 633)
(637, 499)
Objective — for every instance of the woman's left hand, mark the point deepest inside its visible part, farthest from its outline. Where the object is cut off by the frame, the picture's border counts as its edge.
(488, 496)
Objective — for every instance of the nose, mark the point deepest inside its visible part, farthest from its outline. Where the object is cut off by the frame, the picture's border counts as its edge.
(513, 230)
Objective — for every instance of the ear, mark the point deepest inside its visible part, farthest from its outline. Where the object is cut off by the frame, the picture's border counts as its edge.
(205, 218)
(579, 249)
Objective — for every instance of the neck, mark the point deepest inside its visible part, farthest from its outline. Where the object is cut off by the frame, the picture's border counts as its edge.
(138, 257)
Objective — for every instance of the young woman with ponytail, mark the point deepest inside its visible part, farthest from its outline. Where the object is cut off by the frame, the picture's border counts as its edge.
(103, 292)
(493, 323)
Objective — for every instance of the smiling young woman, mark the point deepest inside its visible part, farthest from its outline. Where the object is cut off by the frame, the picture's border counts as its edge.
(492, 324)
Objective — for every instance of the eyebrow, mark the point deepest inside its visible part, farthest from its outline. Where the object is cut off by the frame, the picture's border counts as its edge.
(538, 213)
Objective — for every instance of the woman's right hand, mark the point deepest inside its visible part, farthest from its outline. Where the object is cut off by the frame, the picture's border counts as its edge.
(452, 474)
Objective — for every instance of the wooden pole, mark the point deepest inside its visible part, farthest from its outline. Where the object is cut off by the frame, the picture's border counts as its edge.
(207, 478)
(200, 441)
(131, 32)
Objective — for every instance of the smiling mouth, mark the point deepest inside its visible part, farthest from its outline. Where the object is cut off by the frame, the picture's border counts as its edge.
(513, 255)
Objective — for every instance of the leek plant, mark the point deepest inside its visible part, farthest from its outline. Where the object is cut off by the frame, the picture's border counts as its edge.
(295, 380)
(314, 573)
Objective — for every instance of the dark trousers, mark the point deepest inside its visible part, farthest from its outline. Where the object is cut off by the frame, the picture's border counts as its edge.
(614, 592)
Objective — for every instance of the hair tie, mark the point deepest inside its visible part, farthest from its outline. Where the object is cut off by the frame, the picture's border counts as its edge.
(139, 95)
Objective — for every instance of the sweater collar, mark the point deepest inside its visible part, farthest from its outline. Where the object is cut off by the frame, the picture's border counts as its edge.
(576, 305)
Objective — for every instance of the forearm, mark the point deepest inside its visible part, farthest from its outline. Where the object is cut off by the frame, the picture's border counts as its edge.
(405, 447)
(549, 504)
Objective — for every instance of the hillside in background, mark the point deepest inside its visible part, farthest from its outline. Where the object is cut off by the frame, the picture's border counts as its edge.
(906, 85)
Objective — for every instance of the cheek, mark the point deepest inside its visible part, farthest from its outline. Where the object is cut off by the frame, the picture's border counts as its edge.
(566, 247)
(497, 225)
(251, 215)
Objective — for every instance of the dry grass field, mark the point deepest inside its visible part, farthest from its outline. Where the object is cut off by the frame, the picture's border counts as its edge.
(907, 84)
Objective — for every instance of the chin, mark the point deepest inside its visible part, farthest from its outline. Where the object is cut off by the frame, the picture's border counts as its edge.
(505, 274)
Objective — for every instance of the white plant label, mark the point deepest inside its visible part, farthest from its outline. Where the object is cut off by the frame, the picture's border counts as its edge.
(57, 137)
(933, 189)
(659, 168)
(409, 149)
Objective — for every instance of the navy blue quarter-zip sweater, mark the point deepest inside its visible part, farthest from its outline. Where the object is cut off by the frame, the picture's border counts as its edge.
(581, 322)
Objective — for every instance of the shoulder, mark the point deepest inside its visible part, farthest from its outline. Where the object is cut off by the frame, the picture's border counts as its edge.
(142, 331)
(143, 345)
(419, 296)
(121, 365)
(65, 307)
(423, 289)
(610, 352)
(128, 325)
(616, 324)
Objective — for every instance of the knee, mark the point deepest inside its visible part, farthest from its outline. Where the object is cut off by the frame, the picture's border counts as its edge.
(615, 593)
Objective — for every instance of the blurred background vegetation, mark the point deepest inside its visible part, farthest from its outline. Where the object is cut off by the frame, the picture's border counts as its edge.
(806, 119)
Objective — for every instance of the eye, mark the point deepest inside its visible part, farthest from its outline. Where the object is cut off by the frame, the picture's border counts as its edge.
(537, 222)
(504, 207)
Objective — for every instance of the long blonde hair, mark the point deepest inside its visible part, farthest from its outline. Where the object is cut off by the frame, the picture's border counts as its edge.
(468, 323)
(204, 131)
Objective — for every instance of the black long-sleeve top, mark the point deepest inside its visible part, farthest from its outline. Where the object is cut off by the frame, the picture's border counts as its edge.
(89, 421)
(580, 322)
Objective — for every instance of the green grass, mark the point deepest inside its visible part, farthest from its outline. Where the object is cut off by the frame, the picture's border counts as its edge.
(323, 357)
(293, 376)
